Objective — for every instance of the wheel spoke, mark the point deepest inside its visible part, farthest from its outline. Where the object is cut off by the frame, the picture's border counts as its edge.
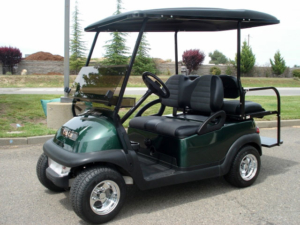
(105, 197)
(248, 167)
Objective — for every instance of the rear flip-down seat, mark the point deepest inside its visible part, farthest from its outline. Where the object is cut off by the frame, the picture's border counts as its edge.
(233, 107)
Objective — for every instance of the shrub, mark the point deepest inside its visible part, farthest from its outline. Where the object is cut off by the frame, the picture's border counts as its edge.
(278, 66)
(296, 73)
(228, 70)
(192, 59)
(215, 70)
(217, 58)
(9, 57)
(247, 58)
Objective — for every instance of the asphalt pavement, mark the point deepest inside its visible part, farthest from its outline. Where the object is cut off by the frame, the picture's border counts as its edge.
(273, 199)
(137, 91)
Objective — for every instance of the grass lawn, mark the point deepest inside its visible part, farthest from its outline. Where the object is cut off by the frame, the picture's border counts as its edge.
(14, 81)
(26, 110)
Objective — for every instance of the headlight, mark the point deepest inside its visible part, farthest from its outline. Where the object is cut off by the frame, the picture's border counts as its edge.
(68, 133)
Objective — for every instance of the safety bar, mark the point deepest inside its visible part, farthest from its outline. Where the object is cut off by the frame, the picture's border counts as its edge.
(274, 112)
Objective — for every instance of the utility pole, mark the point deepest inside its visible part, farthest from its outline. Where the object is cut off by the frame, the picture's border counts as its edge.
(248, 39)
(66, 45)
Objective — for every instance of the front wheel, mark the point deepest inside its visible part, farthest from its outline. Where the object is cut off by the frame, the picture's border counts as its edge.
(97, 194)
(245, 167)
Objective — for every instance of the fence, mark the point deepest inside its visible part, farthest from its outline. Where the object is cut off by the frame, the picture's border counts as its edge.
(57, 67)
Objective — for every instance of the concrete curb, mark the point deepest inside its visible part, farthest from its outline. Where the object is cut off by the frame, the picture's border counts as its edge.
(25, 141)
(43, 139)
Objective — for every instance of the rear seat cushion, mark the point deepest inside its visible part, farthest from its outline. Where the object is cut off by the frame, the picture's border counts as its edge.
(232, 107)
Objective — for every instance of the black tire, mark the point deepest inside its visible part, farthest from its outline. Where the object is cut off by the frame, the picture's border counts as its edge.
(82, 189)
(41, 167)
(248, 155)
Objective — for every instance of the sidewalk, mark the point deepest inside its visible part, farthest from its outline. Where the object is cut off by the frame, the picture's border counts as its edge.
(43, 139)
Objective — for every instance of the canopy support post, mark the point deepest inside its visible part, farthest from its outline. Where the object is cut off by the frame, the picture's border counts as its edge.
(241, 89)
(176, 54)
(92, 49)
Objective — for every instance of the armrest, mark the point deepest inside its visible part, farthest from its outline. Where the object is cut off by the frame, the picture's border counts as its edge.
(214, 122)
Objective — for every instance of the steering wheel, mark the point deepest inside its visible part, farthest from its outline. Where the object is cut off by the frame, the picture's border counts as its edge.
(155, 86)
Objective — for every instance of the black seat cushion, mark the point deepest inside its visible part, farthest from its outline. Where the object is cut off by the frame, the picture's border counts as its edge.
(166, 126)
(232, 107)
(204, 96)
(173, 84)
(230, 86)
(207, 96)
(194, 117)
(180, 87)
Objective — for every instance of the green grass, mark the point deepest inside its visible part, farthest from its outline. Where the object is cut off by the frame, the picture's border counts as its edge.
(270, 82)
(17, 81)
(290, 106)
(26, 110)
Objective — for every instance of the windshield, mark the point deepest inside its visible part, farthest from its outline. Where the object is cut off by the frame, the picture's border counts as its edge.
(100, 86)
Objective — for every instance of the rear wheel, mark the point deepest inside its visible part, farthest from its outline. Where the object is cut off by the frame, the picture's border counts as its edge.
(245, 167)
(41, 167)
(97, 194)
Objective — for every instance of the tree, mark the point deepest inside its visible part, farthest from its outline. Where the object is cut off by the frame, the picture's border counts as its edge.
(278, 66)
(142, 61)
(10, 56)
(116, 50)
(77, 46)
(193, 58)
(247, 58)
(217, 58)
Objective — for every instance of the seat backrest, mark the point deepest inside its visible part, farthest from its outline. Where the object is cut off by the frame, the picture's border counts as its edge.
(180, 87)
(207, 96)
(230, 86)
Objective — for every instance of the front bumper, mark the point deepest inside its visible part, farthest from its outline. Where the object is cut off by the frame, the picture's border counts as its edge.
(60, 181)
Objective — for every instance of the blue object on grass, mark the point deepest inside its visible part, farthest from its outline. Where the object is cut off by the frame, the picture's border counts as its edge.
(45, 102)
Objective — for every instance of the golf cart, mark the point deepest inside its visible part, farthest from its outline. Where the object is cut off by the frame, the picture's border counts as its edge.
(205, 136)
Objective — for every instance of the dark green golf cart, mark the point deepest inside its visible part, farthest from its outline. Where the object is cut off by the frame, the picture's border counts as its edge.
(205, 136)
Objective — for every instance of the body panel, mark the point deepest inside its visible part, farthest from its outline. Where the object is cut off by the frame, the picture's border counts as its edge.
(94, 133)
(196, 150)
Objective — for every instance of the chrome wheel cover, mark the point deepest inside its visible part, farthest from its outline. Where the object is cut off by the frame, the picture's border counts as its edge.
(248, 167)
(105, 197)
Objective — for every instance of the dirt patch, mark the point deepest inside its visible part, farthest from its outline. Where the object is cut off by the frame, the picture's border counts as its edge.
(54, 73)
(44, 56)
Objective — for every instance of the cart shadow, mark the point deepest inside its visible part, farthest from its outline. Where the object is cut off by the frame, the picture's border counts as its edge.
(145, 202)
(271, 166)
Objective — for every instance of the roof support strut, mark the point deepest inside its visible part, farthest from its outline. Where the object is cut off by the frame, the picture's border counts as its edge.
(241, 89)
(92, 49)
(136, 47)
(239, 50)
(176, 54)
(120, 129)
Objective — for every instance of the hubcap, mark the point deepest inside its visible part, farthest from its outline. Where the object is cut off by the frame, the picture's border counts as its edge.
(105, 197)
(248, 167)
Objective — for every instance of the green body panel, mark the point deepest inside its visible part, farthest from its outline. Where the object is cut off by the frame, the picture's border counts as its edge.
(94, 134)
(196, 150)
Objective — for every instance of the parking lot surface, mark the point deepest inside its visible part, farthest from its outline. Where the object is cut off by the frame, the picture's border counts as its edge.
(273, 199)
